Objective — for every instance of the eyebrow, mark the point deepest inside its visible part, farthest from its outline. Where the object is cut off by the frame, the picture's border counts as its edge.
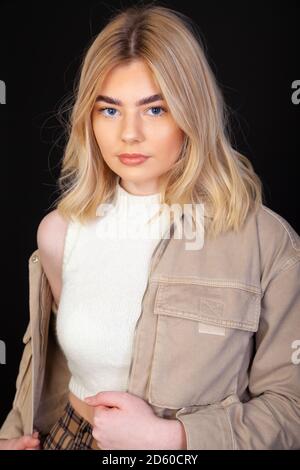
(147, 100)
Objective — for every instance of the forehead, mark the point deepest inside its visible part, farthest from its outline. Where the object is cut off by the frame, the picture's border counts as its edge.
(133, 77)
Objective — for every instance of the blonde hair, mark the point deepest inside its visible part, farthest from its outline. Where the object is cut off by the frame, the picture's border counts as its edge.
(209, 170)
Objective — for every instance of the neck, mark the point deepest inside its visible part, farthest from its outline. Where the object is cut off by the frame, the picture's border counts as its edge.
(140, 189)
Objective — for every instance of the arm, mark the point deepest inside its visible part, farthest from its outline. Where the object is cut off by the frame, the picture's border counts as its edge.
(271, 418)
(13, 425)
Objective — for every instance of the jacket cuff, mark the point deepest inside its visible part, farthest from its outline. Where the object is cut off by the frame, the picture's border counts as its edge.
(207, 429)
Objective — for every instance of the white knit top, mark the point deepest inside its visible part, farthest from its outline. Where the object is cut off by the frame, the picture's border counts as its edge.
(104, 276)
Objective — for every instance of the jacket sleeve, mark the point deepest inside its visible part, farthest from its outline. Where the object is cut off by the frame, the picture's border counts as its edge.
(271, 418)
(13, 425)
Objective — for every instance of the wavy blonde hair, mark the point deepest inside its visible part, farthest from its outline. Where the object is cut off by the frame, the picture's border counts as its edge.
(209, 170)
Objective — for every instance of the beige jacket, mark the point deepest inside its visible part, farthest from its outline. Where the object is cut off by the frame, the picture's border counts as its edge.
(217, 344)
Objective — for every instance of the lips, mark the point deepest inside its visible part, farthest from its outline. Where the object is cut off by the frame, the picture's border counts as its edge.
(132, 158)
(133, 155)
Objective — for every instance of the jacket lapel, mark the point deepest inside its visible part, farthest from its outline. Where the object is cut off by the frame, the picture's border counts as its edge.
(40, 301)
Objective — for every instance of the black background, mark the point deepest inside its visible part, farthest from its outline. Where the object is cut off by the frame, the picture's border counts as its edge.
(252, 48)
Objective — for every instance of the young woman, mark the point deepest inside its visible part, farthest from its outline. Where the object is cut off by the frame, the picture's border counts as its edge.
(179, 345)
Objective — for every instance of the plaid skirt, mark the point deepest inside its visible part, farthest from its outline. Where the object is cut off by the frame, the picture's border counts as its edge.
(70, 432)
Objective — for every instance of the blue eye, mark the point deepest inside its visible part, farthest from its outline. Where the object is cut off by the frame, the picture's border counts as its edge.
(102, 111)
(158, 107)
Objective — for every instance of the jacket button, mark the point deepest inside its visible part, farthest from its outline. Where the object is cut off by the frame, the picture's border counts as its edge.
(34, 259)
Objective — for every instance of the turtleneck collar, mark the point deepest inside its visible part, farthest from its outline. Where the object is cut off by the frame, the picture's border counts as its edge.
(133, 199)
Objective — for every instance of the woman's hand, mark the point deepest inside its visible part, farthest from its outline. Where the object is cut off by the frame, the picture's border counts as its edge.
(125, 421)
(26, 442)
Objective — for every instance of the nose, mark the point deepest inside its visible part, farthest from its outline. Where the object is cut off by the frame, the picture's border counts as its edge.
(132, 129)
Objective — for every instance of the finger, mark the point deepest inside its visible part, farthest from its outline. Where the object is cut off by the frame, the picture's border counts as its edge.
(35, 447)
(26, 441)
(108, 398)
(32, 441)
(98, 410)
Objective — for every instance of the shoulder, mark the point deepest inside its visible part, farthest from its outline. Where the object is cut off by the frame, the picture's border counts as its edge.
(51, 230)
(269, 219)
(277, 227)
(279, 242)
(51, 234)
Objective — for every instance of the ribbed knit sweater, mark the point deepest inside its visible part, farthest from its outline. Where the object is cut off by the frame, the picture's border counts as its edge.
(104, 276)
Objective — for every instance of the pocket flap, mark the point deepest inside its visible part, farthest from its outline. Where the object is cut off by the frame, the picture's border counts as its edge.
(221, 305)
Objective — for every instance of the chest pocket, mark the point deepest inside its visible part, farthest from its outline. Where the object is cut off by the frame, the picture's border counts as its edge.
(203, 335)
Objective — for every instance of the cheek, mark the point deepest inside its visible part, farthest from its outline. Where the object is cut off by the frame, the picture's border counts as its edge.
(103, 137)
(169, 141)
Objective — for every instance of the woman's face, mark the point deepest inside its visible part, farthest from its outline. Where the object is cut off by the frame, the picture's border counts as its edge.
(130, 127)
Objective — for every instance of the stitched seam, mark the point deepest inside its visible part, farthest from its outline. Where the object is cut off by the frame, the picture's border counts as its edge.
(150, 390)
(286, 268)
(289, 264)
(233, 441)
(208, 282)
(160, 308)
(179, 313)
(187, 435)
(157, 301)
(288, 231)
